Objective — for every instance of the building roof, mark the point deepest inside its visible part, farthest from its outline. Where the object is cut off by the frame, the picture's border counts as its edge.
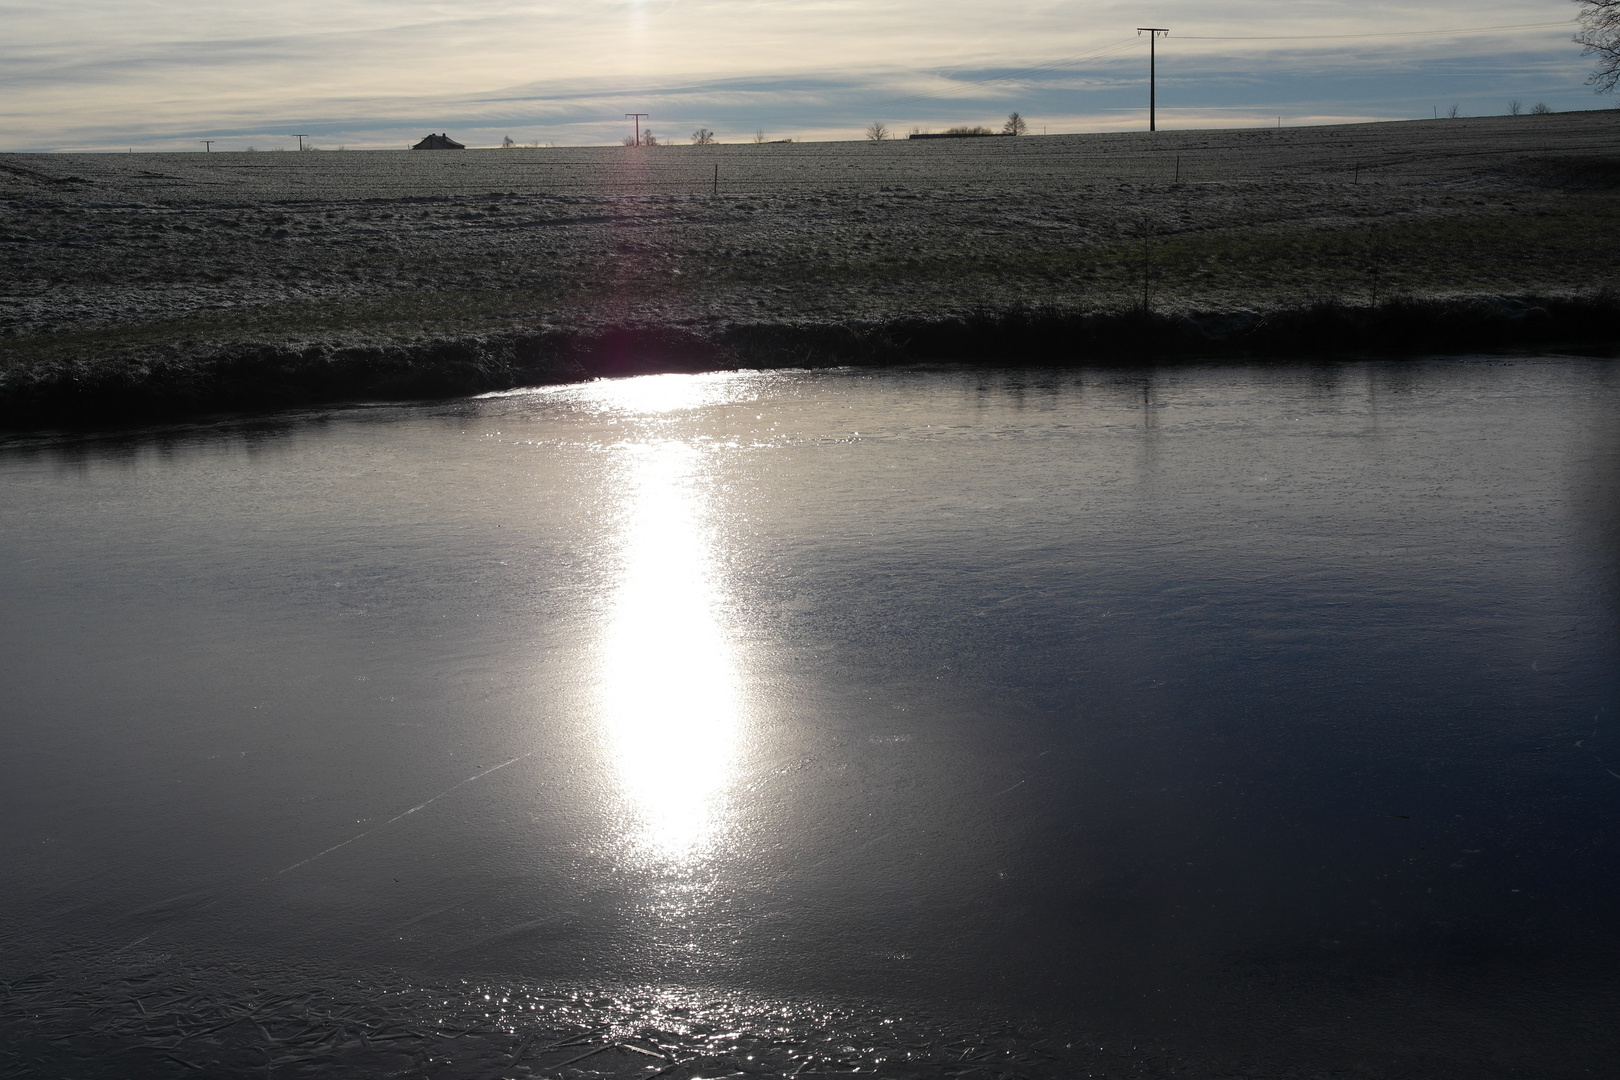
(439, 142)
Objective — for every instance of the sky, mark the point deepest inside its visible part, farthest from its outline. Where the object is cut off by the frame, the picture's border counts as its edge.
(165, 74)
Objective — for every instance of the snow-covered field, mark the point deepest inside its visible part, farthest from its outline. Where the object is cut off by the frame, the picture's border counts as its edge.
(118, 252)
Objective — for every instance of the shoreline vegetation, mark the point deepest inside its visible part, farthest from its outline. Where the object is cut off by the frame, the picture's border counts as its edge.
(146, 287)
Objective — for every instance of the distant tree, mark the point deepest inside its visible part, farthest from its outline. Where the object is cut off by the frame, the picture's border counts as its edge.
(1600, 36)
(1453, 112)
(977, 129)
(1540, 108)
(702, 137)
(759, 136)
(877, 131)
(508, 141)
(1015, 125)
(648, 138)
(1515, 107)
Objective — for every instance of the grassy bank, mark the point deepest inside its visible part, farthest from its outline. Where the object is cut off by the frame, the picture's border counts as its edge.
(257, 378)
(139, 285)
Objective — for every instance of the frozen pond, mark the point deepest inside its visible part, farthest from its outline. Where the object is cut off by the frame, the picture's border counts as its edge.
(1245, 720)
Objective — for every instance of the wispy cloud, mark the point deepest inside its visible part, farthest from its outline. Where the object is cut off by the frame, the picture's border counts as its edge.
(85, 74)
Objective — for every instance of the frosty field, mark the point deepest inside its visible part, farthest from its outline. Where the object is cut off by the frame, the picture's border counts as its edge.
(126, 254)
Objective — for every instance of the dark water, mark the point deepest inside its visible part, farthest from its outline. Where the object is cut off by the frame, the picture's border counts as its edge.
(1208, 721)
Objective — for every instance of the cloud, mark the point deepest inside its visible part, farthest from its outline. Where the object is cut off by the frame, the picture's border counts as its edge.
(89, 74)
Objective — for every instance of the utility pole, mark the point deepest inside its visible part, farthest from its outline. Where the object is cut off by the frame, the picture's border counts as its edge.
(1153, 33)
(208, 145)
(300, 139)
(638, 117)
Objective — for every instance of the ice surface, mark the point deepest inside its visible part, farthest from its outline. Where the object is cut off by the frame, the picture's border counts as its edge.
(1232, 720)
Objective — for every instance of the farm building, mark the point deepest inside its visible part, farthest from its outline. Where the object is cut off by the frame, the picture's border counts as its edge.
(438, 142)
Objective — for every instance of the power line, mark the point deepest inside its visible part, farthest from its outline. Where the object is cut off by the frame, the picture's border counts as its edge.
(1122, 45)
(1126, 44)
(1398, 34)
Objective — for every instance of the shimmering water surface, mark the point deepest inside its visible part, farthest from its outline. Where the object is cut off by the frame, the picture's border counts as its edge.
(1206, 721)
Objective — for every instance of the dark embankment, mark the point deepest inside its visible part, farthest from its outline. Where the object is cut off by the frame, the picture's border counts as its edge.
(268, 378)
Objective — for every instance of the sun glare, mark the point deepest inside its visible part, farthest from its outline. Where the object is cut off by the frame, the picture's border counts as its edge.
(654, 394)
(669, 684)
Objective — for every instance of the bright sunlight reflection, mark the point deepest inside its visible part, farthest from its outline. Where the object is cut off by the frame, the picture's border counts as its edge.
(653, 394)
(669, 684)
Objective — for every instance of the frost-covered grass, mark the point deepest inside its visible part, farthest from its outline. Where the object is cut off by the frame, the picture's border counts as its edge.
(118, 257)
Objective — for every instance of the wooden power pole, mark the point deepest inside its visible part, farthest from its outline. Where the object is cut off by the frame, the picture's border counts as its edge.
(1153, 33)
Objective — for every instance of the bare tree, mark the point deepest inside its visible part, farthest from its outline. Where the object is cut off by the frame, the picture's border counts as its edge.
(1454, 112)
(878, 131)
(1515, 107)
(702, 137)
(508, 142)
(1540, 108)
(1600, 36)
(759, 136)
(1015, 125)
